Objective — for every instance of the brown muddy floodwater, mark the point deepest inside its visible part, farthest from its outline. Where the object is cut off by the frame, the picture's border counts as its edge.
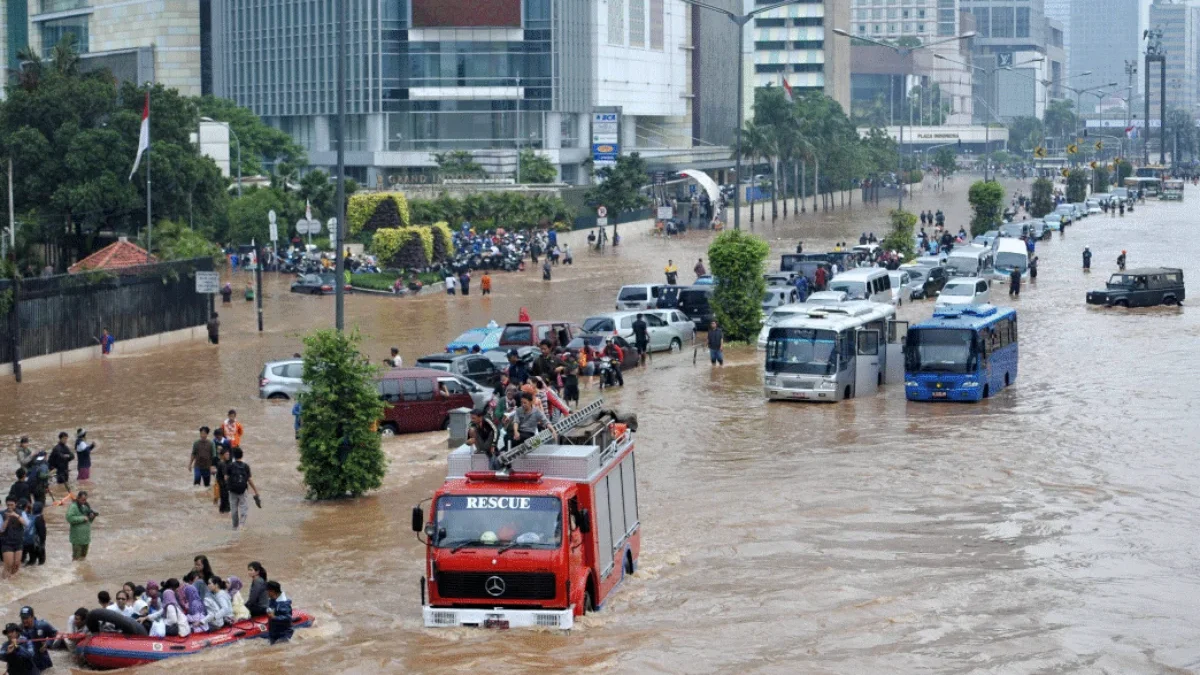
(1050, 529)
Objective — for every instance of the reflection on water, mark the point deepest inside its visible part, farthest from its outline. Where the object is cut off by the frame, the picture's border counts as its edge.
(1047, 530)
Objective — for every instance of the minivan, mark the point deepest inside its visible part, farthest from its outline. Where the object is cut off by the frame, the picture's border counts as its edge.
(638, 296)
(695, 301)
(419, 399)
(864, 283)
(531, 333)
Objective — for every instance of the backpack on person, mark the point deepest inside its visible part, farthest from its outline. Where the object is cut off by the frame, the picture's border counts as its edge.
(237, 478)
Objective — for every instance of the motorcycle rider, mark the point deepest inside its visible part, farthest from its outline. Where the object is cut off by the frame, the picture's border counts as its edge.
(616, 354)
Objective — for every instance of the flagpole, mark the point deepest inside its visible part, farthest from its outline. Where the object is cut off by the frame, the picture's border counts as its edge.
(149, 222)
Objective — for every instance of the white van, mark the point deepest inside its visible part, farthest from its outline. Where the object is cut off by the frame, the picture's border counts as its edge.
(1010, 254)
(969, 261)
(864, 283)
(638, 296)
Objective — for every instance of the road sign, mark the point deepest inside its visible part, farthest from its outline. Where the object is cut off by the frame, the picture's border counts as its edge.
(665, 213)
(1039, 152)
(1004, 60)
(332, 229)
(601, 222)
(208, 282)
(602, 211)
(308, 226)
(1099, 145)
(1072, 149)
(1065, 173)
(1095, 164)
(272, 220)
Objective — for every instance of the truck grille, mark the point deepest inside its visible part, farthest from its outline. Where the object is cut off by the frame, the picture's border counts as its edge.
(487, 586)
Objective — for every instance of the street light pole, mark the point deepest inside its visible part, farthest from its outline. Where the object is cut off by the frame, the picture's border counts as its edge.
(740, 20)
(340, 282)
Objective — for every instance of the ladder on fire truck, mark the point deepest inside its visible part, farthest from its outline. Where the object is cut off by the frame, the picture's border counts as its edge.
(584, 414)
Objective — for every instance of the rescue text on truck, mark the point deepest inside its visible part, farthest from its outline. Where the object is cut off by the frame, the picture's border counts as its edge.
(541, 541)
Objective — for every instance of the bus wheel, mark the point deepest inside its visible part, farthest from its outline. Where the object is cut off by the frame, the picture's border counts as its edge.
(1006, 379)
(846, 395)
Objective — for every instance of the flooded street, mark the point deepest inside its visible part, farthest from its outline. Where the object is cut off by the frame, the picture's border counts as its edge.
(1050, 529)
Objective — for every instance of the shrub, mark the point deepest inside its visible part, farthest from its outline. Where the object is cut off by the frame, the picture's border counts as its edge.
(1077, 185)
(340, 452)
(987, 200)
(737, 260)
(1041, 198)
(443, 241)
(361, 207)
(404, 247)
(900, 239)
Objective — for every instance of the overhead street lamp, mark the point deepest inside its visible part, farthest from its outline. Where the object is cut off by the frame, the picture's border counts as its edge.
(905, 52)
(991, 72)
(740, 20)
(987, 137)
(1079, 99)
(239, 148)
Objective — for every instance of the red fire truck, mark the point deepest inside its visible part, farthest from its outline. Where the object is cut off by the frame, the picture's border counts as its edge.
(545, 539)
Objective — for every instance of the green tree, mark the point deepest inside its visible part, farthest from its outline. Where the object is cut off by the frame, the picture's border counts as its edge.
(1077, 182)
(621, 189)
(536, 169)
(340, 452)
(1124, 170)
(901, 238)
(1060, 120)
(873, 113)
(1183, 134)
(176, 241)
(249, 215)
(1101, 178)
(946, 160)
(1041, 197)
(1025, 134)
(882, 154)
(737, 260)
(987, 201)
(457, 163)
(262, 145)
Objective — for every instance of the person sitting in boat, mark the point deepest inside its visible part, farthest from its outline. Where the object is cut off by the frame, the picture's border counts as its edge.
(218, 605)
(240, 613)
(196, 611)
(173, 616)
(258, 600)
(76, 627)
(149, 604)
(279, 626)
(17, 652)
(122, 605)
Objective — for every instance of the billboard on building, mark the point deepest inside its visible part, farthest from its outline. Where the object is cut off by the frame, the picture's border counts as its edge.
(466, 13)
(606, 137)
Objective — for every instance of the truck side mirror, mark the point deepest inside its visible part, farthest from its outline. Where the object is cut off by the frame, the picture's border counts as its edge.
(584, 521)
(418, 519)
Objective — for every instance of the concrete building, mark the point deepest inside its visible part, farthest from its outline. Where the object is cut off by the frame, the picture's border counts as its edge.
(430, 76)
(1060, 11)
(164, 41)
(797, 43)
(1021, 52)
(714, 75)
(918, 20)
(1104, 34)
(1180, 26)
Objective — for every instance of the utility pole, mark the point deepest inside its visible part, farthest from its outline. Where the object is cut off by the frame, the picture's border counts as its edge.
(1131, 71)
(12, 221)
(340, 269)
(258, 299)
(1155, 53)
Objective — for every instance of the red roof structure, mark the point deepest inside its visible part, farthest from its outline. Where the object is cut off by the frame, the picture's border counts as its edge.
(115, 256)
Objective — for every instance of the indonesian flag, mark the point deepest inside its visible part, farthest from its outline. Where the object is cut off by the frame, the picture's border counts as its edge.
(787, 89)
(144, 139)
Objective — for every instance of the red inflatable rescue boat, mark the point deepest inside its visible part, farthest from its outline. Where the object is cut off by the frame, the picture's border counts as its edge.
(119, 650)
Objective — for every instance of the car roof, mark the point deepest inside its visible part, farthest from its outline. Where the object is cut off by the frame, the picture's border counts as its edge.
(639, 286)
(963, 281)
(859, 274)
(282, 362)
(444, 356)
(402, 373)
(616, 315)
(1151, 270)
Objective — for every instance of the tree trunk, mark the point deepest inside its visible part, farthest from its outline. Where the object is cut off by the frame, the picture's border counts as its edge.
(783, 182)
(796, 193)
(803, 184)
(816, 181)
(774, 189)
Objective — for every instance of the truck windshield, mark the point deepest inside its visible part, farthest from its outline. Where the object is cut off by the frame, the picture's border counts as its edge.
(1009, 260)
(517, 334)
(939, 350)
(802, 350)
(498, 520)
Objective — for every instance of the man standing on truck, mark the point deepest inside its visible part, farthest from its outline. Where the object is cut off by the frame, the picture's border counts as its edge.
(482, 436)
(546, 366)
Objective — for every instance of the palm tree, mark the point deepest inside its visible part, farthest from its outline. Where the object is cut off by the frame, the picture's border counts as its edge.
(756, 144)
(31, 70)
(65, 55)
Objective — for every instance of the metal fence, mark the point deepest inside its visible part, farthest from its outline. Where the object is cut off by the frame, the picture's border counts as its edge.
(65, 312)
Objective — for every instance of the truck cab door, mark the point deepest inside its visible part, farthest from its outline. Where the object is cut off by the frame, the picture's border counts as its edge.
(575, 544)
(866, 372)
(897, 336)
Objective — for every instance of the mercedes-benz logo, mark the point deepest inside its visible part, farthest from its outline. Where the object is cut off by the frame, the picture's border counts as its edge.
(494, 586)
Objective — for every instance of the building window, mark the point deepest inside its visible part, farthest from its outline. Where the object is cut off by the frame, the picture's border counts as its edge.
(1002, 22)
(812, 44)
(53, 31)
(877, 14)
(770, 46)
(807, 67)
(904, 13)
(770, 23)
(1022, 22)
(892, 28)
(892, 14)
(875, 28)
(769, 67)
(48, 6)
(637, 23)
(920, 28)
(908, 28)
(657, 25)
(920, 14)
(616, 22)
(862, 29)
(983, 24)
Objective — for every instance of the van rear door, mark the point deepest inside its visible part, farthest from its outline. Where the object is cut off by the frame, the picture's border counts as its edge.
(866, 362)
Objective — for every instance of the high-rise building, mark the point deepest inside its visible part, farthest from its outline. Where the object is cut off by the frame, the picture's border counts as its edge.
(1021, 54)
(714, 74)
(164, 41)
(1180, 26)
(796, 42)
(919, 20)
(1104, 34)
(1060, 11)
(491, 78)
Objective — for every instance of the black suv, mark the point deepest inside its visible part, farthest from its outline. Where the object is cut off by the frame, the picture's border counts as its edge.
(695, 302)
(1141, 288)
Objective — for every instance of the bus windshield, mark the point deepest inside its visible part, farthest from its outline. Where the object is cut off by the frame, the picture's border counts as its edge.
(802, 350)
(1009, 260)
(940, 350)
(498, 520)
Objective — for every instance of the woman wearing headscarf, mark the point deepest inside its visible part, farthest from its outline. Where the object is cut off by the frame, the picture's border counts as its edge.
(195, 609)
(174, 616)
(240, 613)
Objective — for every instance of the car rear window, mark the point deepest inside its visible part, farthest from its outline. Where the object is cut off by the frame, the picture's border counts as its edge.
(436, 365)
(520, 334)
(632, 294)
(599, 324)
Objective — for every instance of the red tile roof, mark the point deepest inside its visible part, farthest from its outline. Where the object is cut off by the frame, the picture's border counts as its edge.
(114, 256)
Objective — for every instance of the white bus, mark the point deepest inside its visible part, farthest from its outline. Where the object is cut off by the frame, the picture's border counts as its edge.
(834, 353)
(1010, 253)
(970, 260)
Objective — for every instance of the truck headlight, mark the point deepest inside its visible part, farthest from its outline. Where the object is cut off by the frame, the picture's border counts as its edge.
(910, 383)
(969, 385)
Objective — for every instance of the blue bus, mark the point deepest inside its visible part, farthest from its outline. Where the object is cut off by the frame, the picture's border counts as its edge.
(961, 354)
